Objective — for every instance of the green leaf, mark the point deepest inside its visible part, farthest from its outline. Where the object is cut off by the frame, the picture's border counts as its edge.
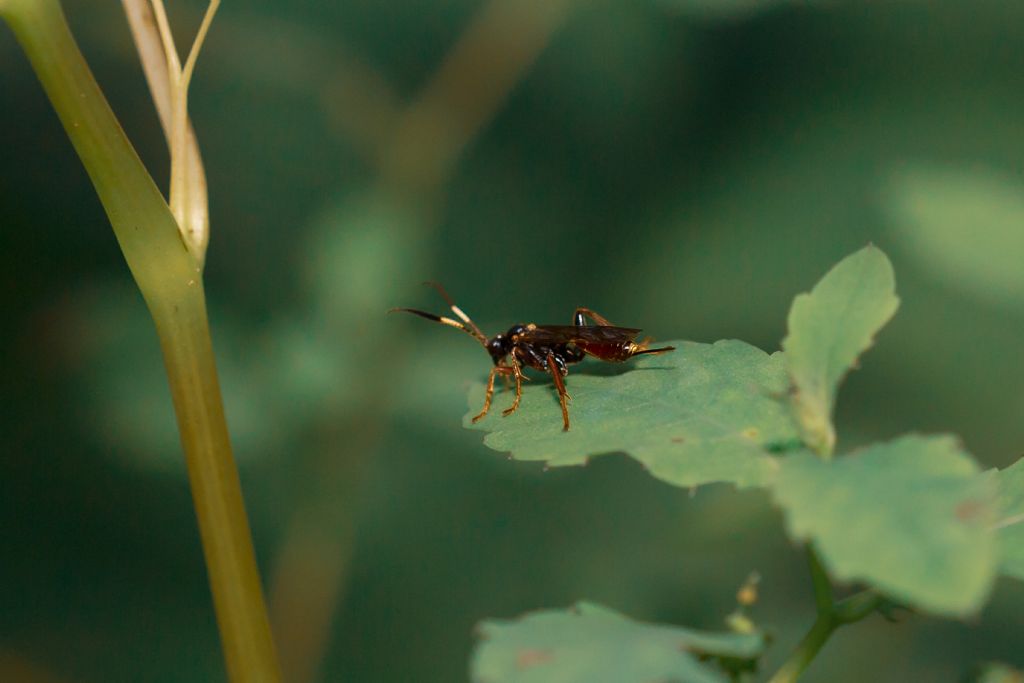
(962, 226)
(912, 517)
(828, 329)
(590, 643)
(1010, 527)
(997, 672)
(704, 413)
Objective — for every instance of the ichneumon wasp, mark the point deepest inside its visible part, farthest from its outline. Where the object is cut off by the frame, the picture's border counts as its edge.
(547, 348)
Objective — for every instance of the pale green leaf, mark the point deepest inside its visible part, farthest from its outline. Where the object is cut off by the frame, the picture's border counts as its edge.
(703, 413)
(997, 672)
(964, 227)
(1010, 526)
(912, 517)
(588, 643)
(828, 329)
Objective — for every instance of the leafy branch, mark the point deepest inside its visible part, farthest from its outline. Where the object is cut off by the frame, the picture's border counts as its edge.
(588, 642)
(913, 518)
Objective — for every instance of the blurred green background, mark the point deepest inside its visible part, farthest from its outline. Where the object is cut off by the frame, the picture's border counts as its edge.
(686, 166)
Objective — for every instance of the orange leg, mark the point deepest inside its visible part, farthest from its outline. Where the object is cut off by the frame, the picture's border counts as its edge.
(518, 373)
(563, 397)
(496, 370)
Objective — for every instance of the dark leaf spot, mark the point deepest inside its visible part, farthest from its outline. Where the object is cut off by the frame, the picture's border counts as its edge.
(968, 510)
(527, 658)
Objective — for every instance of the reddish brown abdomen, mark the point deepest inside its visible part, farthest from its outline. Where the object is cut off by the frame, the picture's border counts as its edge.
(607, 351)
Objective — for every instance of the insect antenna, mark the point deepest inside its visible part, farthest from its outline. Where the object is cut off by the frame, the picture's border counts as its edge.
(458, 311)
(444, 321)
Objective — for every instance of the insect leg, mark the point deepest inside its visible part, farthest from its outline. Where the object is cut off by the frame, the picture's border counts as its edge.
(581, 313)
(496, 370)
(563, 397)
(517, 371)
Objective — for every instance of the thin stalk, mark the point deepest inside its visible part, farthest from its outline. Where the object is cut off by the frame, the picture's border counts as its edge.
(417, 150)
(169, 277)
(819, 577)
(831, 615)
(216, 491)
(858, 606)
(807, 650)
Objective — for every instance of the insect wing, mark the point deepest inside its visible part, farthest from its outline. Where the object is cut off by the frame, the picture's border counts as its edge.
(564, 334)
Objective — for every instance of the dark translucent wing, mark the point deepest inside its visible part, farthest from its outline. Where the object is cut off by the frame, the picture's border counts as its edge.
(563, 334)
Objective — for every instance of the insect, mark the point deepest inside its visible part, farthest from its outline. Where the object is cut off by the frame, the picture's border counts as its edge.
(547, 348)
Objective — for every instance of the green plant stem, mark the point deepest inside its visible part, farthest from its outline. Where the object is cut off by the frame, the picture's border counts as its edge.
(142, 222)
(831, 615)
(170, 280)
(216, 491)
(822, 586)
(807, 650)
(857, 606)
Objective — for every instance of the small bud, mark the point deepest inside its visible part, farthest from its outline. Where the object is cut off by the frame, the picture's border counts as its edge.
(747, 594)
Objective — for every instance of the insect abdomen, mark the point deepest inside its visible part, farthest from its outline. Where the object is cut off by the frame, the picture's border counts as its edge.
(608, 351)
